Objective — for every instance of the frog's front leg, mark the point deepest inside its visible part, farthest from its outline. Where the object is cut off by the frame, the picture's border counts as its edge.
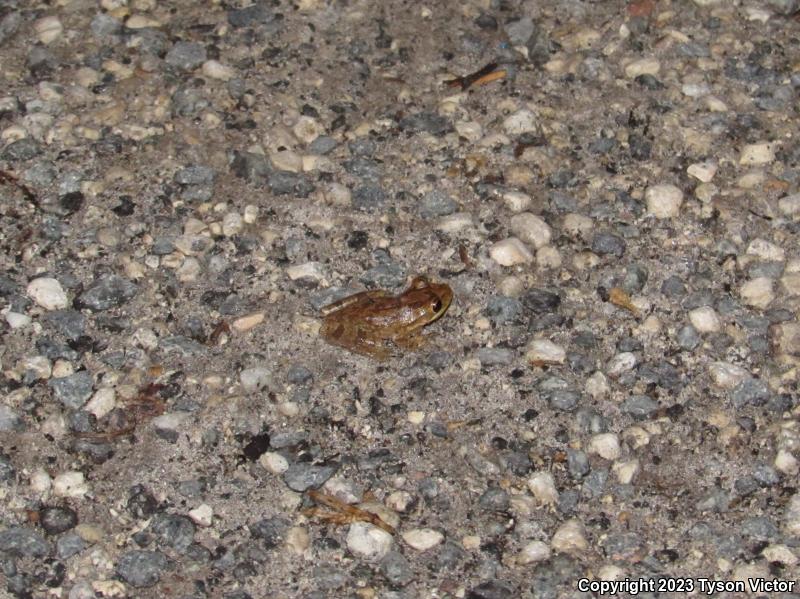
(411, 341)
(356, 339)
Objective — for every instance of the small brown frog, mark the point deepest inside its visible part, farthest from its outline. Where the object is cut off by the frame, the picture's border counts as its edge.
(370, 322)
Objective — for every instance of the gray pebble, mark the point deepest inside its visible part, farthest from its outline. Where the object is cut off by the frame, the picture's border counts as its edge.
(688, 338)
(766, 475)
(758, 527)
(255, 14)
(40, 174)
(673, 287)
(495, 499)
(301, 477)
(22, 149)
(105, 25)
(363, 167)
(384, 275)
(436, 203)
(288, 183)
(502, 309)
(492, 589)
(753, 392)
(495, 356)
(639, 406)
(172, 530)
(142, 569)
(24, 542)
(426, 121)
(57, 519)
(186, 56)
(188, 101)
(251, 167)
(74, 390)
(182, 345)
(270, 530)
(450, 555)
(395, 567)
(594, 483)
(9, 25)
(299, 375)
(368, 197)
(68, 545)
(564, 399)
(162, 246)
(195, 175)
(635, 278)
(109, 291)
(10, 420)
(608, 244)
(541, 301)
(626, 546)
(70, 323)
(284, 439)
(698, 299)
(578, 463)
(322, 145)
(7, 470)
(716, 500)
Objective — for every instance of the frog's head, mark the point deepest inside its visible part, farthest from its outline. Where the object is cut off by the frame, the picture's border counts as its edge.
(429, 300)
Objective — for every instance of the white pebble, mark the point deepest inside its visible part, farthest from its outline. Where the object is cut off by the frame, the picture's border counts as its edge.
(714, 104)
(70, 484)
(516, 201)
(48, 29)
(453, 223)
(625, 471)
(298, 540)
(202, 515)
(570, 537)
(102, 402)
(643, 66)
(542, 351)
(790, 205)
(531, 229)
(695, 90)
(787, 463)
(622, 362)
(597, 385)
(792, 517)
(543, 487)
(338, 195)
(40, 481)
(766, 250)
(273, 462)
(308, 270)
(368, 541)
(16, 320)
(255, 379)
(758, 292)
(216, 70)
(606, 445)
(726, 375)
(705, 319)
(510, 251)
(171, 421)
(189, 270)
(781, 554)
(533, 552)
(702, 171)
(250, 214)
(520, 122)
(663, 201)
(38, 365)
(247, 322)
(548, 257)
(399, 501)
(48, 293)
(469, 130)
(760, 153)
(423, 539)
(232, 224)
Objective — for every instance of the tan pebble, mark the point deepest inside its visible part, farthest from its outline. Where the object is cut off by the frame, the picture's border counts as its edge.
(314, 271)
(626, 471)
(759, 153)
(643, 66)
(548, 257)
(705, 319)
(714, 104)
(790, 205)
(511, 286)
(47, 293)
(726, 375)
(533, 552)
(570, 538)
(766, 250)
(516, 201)
(48, 29)
(785, 462)
(702, 171)
(543, 351)
(273, 462)
(202, 515)
(531, 229)
(307, 129)
(469, 130)
(758, 292)
(423, 539)
(522, 121)
(298, 539)
(663, 201)
(70, 484)
(543, 487)
(142, 21)
(245, 323)
(216, 70)
(578, 225)
(606, 445)
(453, 223)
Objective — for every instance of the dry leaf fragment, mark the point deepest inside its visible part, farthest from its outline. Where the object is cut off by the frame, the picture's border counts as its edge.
(620, 298)
(343, 513)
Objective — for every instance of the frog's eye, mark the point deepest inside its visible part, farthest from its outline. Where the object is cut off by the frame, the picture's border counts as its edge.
(437, 305)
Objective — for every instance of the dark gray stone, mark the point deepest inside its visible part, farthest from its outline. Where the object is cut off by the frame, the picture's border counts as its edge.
(7, 470)
(541, 301)
(142, 569)
(250, 16)
(288, 183)
(24, 542)
(322, 145)
(302, 477)
(109, 291)
(502, 309)
(299, 375)
(395, 567)
(22, 149)
(68, 545)
(57, 519)
(172, 530)
(495, 356)
(74, 390)
(753, 392)
(103, 25)
(195, 175)
(608, 244)
(368, 197)
(639, 406)
(495, 499)
(426, 121)
(186, 56)
(673, 287)
(436, 203)
(578, 463)
(492, 589)
(70, 323)
(270, 530)
(10, 420)
(688, 338)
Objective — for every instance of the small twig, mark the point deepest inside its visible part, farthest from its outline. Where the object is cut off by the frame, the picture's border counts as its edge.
(482, 76)
(343, 513)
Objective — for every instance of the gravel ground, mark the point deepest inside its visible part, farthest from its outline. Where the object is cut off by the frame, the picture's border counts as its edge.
(613, 393)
